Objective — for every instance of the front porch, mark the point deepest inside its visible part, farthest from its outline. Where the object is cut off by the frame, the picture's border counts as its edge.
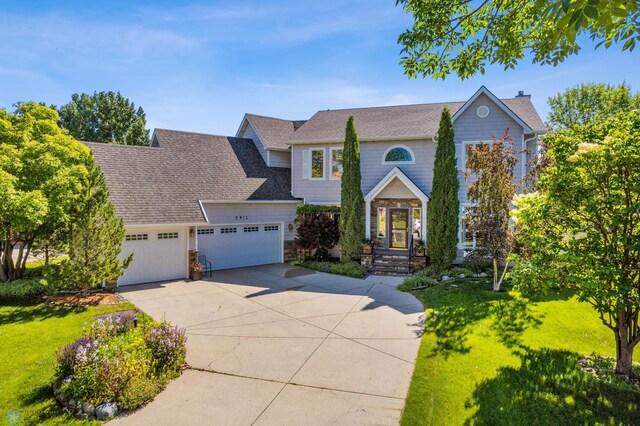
(396, 224)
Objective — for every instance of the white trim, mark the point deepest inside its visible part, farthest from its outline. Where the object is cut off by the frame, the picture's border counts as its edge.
(485, 91)
(367, 220)
(204, 213)
(251, 201)
(396, 173)
(279, 149)
(239, 224)
(331, 149)
(378, 222)
(384, 156)
(162, 225)
(424, 221)
(463, 156)
(365, 139)
(324, 163)
(322, 203)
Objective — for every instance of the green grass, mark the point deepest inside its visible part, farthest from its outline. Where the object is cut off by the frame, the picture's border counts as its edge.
(497, 359)
(30, 336)
(349, 269)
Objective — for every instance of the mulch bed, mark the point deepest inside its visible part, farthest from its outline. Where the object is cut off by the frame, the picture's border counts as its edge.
(90, 299)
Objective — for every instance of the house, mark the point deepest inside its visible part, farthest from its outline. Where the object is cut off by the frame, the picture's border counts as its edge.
(233, 199)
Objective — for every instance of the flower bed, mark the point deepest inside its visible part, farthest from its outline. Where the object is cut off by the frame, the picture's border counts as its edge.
(117, 366)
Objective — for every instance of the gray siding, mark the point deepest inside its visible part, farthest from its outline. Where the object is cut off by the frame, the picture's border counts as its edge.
(232, 213)
(372, 167)
(249, 132)
(279, 159)
(471, 128)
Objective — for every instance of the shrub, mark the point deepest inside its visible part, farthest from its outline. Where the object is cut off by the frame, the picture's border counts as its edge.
(346, 268)
(317, 233)
(417, 281)
(76, 354)
(22, 289)
(457, 271)
(115, 362)
(168, 347)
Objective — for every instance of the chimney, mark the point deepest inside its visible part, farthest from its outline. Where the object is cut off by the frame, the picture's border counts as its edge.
(522, 95)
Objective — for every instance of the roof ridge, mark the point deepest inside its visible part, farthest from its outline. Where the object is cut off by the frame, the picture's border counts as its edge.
(391, 106)
(271, 118)
(118, 144)
(197, 133)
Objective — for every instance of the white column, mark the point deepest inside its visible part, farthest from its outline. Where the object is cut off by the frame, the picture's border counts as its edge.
(367, 219)
(424, 220)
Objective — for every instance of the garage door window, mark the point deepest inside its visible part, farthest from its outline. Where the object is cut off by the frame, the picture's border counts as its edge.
(271, 228)
(251, 229)
(206, 231)
(228, 230)
(167, 235)
(136, 237)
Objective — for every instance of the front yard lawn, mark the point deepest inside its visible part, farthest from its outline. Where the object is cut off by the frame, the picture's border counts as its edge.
(30, 335)
(493, 359)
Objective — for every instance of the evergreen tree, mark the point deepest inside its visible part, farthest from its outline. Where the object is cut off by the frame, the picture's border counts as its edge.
(442, 220)
(96, 236)
(352, 201)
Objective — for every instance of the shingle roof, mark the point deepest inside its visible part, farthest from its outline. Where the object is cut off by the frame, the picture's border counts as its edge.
(274, 132)
(397, 121)
(164, 184)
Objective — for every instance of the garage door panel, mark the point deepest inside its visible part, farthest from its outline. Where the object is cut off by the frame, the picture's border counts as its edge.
(159, 257)
(237, 246)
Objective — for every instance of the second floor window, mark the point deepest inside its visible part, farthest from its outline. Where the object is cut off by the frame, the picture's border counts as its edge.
(317, 163)
(336, 163)
(398, 154)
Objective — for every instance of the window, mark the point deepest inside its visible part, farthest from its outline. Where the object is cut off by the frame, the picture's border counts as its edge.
(317, 163)
(271, 228)
(469, 239)
(416, 222)
(167, 235)
(398, 154)
(136, 237)
(482, 111)
(382, 222)
(228, 230)
(336, 163)
(205, 231)
(251, 229)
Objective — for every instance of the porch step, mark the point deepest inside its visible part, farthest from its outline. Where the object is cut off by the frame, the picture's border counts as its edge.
(390, 264)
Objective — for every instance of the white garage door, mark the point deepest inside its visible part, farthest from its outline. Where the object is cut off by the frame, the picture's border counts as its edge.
(158, 255)
(241, 245)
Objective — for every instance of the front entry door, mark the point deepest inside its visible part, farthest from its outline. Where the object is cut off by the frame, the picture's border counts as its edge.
(399, 219)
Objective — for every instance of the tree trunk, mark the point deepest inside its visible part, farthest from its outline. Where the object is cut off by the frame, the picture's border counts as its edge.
(624, 350)
(46, 254)
(496, 284)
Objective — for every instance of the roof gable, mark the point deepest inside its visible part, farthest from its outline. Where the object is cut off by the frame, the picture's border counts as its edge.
(484, 91)
(394, 174)
(274, 133)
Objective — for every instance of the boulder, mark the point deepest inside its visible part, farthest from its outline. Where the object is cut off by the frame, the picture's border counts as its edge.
(445, 278)
(106, 411)
(483, 275)
(89, 408)
(462, 276)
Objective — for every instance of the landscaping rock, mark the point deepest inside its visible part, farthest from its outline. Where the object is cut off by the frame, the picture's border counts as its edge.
(483, 275)
(445, 278)
(106, 411)
(89, 408)
(462, 276)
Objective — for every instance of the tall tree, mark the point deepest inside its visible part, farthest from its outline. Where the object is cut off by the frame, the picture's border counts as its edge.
(40, 178)
(442, 220)
(462, 36)
(490, 167)
(105, 117)
(352, 201)
(588, 103)
(582, 227)
(96, 236)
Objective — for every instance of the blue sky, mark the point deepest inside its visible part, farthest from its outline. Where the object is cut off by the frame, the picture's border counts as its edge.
(201, 66)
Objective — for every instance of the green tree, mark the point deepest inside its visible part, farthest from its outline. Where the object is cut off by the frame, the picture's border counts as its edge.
(105, 117)
(490, 167)
(582, 228)
(442, 220)
(40, 176)
(588, 103)
(351, 199)
(462, 36)
(96, 236)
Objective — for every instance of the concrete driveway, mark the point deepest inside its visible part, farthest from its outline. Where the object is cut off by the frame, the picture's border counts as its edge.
(278, 345)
